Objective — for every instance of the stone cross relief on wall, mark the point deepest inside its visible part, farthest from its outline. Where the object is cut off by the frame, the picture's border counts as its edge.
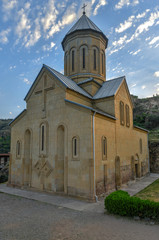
(46, 86)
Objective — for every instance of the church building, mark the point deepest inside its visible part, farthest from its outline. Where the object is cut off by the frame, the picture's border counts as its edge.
(76, 135)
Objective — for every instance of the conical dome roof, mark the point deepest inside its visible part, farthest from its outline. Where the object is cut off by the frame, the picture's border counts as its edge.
(84, 23)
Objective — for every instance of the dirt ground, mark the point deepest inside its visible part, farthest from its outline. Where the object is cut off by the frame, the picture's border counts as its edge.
(22, 219)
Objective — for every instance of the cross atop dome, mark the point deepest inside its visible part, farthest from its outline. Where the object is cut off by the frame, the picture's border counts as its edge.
(84, 6)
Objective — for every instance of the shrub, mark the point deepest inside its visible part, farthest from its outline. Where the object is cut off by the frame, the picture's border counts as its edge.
(3, 178)
(121, 203)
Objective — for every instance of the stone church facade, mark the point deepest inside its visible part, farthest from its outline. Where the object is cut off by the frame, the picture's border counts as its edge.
(76, 135)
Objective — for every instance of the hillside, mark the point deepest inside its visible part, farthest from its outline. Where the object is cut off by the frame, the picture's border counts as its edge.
(146, 115)
(4, 135)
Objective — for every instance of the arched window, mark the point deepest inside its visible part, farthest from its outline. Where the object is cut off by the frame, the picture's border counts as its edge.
(121, 113)
(104, 148)
(43, 138)
(84, 57)
(18, 149)
(127, 115)
(73, 60)
(95, 59)
(75, 147)
(140, 143)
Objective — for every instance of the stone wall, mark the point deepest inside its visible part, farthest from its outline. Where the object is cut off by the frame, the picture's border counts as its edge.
(154, 157)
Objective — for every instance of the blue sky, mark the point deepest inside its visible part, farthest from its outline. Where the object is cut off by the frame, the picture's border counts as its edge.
(31, 33)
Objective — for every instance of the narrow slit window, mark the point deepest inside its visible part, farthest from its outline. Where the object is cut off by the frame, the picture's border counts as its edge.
(84, 58)
(42, 138)
(127, 116)
(95, 63)
(18, 148)
(104, 147)
(75, 147)
(140, 146)
(102, 63)
(73, 58)
(66, 64)
(122, 113)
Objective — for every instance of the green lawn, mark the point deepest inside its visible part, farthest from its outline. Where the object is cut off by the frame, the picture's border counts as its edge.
(151, 192)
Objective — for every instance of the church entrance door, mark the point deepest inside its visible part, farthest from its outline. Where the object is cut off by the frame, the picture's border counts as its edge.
(27, 159)
(60, 159)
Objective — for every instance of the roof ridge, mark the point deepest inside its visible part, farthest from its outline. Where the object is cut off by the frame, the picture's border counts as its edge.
(115, 78)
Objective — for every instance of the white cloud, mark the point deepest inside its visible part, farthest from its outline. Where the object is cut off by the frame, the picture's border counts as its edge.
(48, 47)
(23, 23)
(26, 81)
(134, 85)
(157, 45)
(120, 41)
(4, 35)
(136, 52)
(10, 113)
(154, 40)
(50, 15)
(143, 87)
(122, 3)
(12, 67)
(27, 5)
(7, 7)
(156, 74)
(18, 106)
(141, 15)
(34, 36)
(127, 24)
(100, 3)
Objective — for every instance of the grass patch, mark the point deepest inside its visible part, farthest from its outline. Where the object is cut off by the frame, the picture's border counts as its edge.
(151, 192)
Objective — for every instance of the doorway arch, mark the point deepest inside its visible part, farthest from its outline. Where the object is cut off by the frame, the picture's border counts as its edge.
(117, 173)
(27, 168)
(60, 159)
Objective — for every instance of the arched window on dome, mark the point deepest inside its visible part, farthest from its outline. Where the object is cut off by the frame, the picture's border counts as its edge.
(102, 63)
(84, 57)
(73, 60)
(95, 59)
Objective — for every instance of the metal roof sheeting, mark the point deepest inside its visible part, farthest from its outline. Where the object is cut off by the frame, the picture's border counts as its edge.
(84, 23)
(67, 82)
(109, 88)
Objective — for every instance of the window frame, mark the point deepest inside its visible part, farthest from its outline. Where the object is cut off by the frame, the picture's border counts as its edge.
(83, 58)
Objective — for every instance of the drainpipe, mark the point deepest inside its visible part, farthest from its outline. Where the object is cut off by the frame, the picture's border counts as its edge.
(148, 152)
(96, 198)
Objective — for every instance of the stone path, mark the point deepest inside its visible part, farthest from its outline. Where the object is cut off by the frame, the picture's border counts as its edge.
(73, 203)
(140, 184)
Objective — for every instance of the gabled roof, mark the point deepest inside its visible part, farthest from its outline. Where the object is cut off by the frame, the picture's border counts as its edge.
(84, 23)
(109, 88)
(67, 82)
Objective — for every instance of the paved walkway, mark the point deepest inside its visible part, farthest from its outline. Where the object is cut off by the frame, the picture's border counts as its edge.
(135, 187)
(72, 203)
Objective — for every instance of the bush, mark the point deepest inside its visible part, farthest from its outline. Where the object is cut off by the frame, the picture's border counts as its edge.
(121, 203)
(3, 178)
